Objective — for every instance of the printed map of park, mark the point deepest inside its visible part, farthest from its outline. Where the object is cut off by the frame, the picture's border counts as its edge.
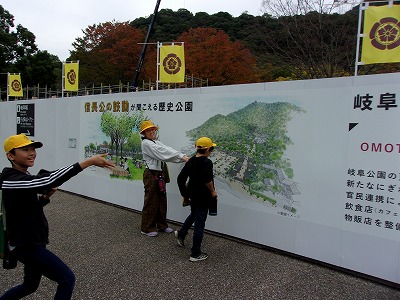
(250, 155)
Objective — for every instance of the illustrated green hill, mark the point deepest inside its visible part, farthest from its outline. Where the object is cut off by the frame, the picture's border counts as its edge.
(257, 132)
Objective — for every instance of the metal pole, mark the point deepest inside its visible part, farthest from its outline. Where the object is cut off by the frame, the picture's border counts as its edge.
(8, 83)
(141, 57)
(62, 80)
(158, 63)
(359, 35)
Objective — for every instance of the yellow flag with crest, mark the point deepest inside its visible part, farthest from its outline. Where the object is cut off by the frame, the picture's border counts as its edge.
(172, 64)
(71, 76)
(15, 85)
(381, 40)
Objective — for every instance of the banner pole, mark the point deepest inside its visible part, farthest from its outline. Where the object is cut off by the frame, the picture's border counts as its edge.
(8, 86)
(62, 79)
(359, 36)
(158, 64)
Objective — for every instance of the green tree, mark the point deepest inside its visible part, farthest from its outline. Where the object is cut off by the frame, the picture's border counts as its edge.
(133, 144)
(7, 39)
(125, 126)
(168, 25)
(14, 44)
(41, 68)
(19, 54)
(119, 127)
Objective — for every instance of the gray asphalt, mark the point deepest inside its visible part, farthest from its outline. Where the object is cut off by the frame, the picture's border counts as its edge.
(111, 259)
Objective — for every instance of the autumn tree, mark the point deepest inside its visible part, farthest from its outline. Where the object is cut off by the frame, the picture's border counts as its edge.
(209, 53)
(109, 52)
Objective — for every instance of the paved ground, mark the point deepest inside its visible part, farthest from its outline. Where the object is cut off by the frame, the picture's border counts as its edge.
(112, 260)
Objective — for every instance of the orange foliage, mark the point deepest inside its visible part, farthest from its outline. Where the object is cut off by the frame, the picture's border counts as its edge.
(111, 50)
(210, 54)
(117, 47)
(123, 49)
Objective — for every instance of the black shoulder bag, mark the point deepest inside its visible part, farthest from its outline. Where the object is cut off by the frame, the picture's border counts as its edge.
(9, 256)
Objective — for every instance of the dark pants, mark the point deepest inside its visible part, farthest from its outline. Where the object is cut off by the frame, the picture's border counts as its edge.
(39, 261)
(154, 212)
(198, 216)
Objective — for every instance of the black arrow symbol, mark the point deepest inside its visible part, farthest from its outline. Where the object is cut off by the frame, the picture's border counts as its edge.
(352, 125)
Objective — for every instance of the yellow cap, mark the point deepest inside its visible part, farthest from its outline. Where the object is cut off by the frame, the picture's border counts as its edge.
(146, 124)
(19, 141)
(204, 143)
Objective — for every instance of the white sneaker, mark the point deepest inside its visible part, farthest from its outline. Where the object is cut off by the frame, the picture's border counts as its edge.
(150, 234)
(181, 243)
(202, 256)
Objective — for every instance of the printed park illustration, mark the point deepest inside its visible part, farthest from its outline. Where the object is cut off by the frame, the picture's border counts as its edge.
(123, 144)
(250, 155)
(250, 152)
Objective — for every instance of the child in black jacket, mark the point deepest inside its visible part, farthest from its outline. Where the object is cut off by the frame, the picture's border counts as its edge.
(24, 196)
(200, 189)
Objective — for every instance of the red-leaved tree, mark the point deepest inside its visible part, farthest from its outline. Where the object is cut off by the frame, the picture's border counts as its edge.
(109, 53)
(209, 53)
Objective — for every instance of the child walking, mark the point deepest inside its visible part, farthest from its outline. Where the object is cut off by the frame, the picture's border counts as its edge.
(201, 191)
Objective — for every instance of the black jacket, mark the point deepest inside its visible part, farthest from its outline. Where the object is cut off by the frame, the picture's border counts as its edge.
(199, 170)
(26, 222)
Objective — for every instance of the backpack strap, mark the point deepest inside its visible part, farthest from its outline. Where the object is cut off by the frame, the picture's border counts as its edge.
(3, 211)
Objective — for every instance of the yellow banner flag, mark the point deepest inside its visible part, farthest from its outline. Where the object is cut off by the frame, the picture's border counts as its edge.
(172, 64)
(15, 85)
(381, 41)
(71, 76)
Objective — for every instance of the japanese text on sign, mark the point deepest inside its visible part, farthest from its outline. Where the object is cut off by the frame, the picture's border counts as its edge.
(372, 198)
(26, 119)
(124, 106)
(365, 102)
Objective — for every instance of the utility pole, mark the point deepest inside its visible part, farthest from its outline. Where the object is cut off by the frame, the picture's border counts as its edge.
(141, 58)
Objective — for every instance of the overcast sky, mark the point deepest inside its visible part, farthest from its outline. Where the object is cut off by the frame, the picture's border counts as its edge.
(57, 23)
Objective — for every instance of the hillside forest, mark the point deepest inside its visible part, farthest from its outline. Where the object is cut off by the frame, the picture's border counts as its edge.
(219, 48)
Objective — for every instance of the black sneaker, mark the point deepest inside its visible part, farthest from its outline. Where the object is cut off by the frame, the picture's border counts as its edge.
(202, 256)
(181, 242)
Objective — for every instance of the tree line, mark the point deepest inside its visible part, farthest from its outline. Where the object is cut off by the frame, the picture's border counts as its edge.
(219, 47)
